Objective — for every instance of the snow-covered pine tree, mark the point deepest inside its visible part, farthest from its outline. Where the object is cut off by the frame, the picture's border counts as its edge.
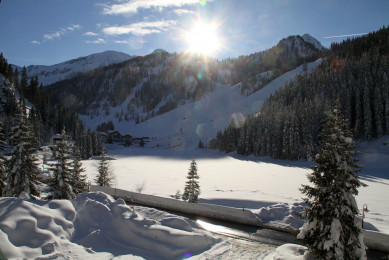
(23, 167)
(104, 177)
(61, 184)
(332, 229)
(78, 178)
(192, 187)
(89, 143)
(367, 118)
(3, 160)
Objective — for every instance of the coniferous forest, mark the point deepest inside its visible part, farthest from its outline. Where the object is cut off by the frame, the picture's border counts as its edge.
(46, 118)
(355, 72)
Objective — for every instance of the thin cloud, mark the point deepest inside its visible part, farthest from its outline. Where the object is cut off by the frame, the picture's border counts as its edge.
(132, 6)
(121, 42)
(58, 34)
(141, 28)
(183, 12)
(35, 42)
(98, 41)
(74, 27)
(51, 36)
(90, 34)
(344, 35)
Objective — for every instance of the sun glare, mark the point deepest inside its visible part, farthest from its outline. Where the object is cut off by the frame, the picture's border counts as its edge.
(203, 39)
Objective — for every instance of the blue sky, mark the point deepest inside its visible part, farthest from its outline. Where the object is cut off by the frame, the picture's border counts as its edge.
(47, 32)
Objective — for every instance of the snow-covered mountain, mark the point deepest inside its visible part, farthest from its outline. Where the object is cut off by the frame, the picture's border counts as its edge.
(309, 39)
(187, 124)
(144, 89)
(50, 74)
(300, 46)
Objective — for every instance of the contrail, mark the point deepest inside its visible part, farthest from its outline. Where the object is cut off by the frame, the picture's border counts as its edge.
(344, 35)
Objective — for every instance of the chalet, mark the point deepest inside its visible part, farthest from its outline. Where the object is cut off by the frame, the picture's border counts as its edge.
(53, 147)
(127, 140)
(111, 136)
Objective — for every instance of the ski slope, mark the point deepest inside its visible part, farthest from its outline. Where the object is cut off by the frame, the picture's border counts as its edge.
(187, 124)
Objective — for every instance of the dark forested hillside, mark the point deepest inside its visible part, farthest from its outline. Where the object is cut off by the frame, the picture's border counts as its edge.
(355, 72)
(44, 119)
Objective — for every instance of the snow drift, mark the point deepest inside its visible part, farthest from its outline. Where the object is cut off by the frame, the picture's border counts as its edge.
(94, 222)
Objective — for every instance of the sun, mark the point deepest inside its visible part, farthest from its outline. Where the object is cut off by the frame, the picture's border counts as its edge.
(203, 38)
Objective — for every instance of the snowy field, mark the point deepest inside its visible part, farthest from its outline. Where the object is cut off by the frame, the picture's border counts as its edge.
(247, 182)
(94, 225)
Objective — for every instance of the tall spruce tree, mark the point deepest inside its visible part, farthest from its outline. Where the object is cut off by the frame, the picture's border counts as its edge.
(332, 230)
(61, 184)
(23, 166)
(3, 160)
(192, 187)
(78, 178)
(104, 177)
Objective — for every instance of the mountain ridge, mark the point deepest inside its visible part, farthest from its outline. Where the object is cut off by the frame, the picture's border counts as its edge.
(49, 74)
(159, 82)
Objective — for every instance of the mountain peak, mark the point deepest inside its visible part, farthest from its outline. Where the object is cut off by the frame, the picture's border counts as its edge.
(50, 74)
(159, 51)
(308, 38)
(297, 46)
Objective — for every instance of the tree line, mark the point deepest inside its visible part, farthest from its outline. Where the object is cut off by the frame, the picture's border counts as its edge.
(20, 172)
(28, 120)
(289, 122)
(45, 117)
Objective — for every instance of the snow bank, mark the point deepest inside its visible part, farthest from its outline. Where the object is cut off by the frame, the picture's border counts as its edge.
(290, 252)
(198, 209)
(108, 225)
(283, 215)
(31, 228)
(376, 240)
(94, 222)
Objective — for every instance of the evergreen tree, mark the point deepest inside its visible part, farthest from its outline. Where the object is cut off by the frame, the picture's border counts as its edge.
(99, 145)
(367, 119)
(79, 180)
(61, 184)
(3, 64)
(23, 80)
(332, 230)
(3, 160)
(104, 177)
(89, 144)
(192, 187)
(23, 166)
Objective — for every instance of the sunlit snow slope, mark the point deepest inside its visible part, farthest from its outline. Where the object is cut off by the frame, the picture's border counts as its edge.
(189, 123)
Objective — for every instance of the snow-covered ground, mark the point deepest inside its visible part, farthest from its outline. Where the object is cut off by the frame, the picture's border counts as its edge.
(96, 226)
(249, 182)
